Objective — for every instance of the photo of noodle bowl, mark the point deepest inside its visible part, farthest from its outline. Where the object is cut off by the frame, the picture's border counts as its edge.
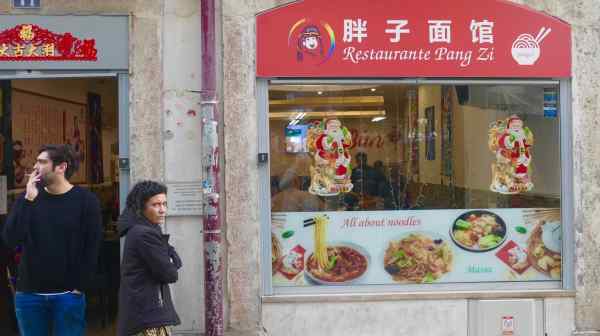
(526, 48)
(419, 257)
(333, 263)
(347, 263)
(478, 231)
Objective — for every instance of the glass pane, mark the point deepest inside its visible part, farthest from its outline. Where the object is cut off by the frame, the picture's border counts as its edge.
(392, 184)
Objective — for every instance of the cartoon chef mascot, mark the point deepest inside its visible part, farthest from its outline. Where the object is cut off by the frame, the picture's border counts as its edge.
(309, 42)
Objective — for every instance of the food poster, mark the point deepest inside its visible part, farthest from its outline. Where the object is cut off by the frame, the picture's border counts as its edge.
(422, 246)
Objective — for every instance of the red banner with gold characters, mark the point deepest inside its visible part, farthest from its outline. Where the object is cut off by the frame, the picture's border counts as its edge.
(29, 42)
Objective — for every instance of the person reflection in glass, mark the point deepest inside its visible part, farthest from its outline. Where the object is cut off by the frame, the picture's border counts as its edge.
(291, 197)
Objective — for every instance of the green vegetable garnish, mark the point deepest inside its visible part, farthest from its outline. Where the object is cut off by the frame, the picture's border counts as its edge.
(331, 263)
(402, 263)
(398, 256)
(428, 278)
(287, 234)
(462, 224)
(489, 241)
(521, 229)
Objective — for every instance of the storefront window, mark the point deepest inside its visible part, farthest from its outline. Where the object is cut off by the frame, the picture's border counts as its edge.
(414, 184)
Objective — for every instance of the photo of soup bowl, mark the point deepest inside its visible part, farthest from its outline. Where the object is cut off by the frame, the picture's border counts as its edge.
(350, 266)
(478, 231)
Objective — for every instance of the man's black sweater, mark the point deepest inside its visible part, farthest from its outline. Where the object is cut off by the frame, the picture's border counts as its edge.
(60, 235)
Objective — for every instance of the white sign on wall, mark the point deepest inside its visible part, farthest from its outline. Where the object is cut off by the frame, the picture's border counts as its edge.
(184, 198)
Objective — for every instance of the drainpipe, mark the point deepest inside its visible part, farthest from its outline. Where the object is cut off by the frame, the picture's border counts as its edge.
(213, 278)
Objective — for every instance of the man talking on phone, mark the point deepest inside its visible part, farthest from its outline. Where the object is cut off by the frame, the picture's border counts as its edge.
(59, 226)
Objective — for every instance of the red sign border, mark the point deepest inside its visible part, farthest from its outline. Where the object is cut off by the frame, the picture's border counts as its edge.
(559, 67)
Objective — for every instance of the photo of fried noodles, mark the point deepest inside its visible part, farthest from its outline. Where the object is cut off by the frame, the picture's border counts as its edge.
(418, 258)
(478, 231)
(344, 264)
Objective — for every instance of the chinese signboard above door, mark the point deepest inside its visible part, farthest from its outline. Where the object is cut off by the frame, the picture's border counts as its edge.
(426, 38)
(29, 42)
(64, 42)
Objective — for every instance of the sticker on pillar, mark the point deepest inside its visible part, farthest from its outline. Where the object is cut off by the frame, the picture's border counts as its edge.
(510, 140)
(329, 144)
(309, 41)
(526, 48)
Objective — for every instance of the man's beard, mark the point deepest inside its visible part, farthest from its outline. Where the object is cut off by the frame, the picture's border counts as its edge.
(44, 181)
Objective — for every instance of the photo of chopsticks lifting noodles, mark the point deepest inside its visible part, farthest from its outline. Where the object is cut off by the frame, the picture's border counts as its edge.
(311, 221)
(547, 215)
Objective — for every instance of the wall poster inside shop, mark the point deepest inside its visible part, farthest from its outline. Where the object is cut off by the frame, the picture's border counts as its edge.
(427, 246)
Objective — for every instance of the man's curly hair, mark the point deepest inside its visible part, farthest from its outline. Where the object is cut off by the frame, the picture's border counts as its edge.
(142, 192)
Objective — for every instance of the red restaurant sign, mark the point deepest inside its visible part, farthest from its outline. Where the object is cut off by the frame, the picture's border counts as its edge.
(29, 42)
(424, 38)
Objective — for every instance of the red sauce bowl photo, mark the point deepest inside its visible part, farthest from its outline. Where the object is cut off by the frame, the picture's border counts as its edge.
(348, 264)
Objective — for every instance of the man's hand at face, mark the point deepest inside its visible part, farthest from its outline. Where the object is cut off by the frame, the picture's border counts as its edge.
(32, 190)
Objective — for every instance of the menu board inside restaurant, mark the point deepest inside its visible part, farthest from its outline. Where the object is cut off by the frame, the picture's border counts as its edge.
(39, 120)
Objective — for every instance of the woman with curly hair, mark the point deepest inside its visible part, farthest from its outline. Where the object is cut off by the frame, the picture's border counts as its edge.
(149, 264)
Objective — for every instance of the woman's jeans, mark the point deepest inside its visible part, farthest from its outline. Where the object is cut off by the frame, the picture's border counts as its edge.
(44, 315)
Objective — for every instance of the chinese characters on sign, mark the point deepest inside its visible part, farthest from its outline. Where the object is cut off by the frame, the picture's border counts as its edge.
(28, 42)
(439, 32)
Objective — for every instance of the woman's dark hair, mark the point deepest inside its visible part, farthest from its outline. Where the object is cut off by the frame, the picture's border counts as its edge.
(62, 153)
(142, 192)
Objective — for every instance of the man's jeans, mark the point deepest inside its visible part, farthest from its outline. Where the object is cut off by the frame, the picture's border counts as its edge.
(63, 314)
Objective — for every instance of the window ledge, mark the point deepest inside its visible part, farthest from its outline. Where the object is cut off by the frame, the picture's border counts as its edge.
(440, 295)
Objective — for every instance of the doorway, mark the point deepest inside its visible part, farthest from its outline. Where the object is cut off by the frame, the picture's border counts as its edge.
(83, 112)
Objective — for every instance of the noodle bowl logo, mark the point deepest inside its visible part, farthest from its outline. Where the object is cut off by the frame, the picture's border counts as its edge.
(310, 41)
(526, 48)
